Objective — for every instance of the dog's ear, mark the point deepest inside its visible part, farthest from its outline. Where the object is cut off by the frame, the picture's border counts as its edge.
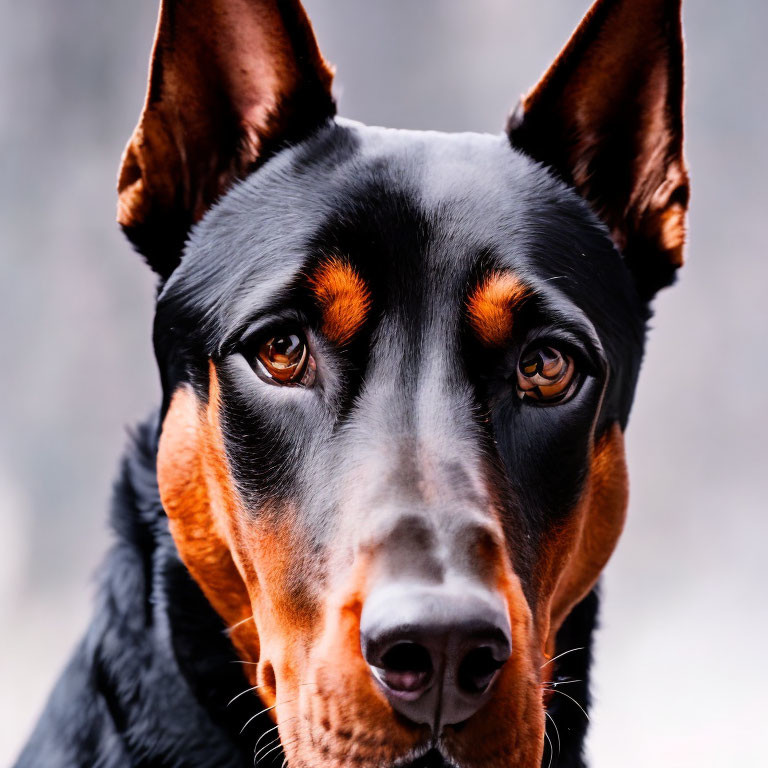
(608, 117)
(230, 80)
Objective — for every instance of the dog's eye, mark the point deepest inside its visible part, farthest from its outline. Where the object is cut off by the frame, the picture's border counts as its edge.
(546, 375)
(285, 359)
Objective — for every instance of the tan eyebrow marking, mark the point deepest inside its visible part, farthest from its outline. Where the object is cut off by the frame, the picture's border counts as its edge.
(343, 297)
(492, 306)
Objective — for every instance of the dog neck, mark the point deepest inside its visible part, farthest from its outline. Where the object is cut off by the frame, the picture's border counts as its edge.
(161, 653)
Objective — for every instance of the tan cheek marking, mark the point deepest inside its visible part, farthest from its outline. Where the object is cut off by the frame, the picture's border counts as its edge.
(598, 523)
(198, 496)
(242, 568)
(492, 305)
(343, 297)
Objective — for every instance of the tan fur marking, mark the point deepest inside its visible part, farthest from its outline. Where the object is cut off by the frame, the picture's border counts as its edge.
(229, 555)
(343, 297)
(591, 539)
(197, 493)
(492, 305)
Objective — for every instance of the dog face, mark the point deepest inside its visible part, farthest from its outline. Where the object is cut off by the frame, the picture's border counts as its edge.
(397, 367)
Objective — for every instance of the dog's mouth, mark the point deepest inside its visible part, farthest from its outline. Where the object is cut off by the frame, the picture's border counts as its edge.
(431, 759)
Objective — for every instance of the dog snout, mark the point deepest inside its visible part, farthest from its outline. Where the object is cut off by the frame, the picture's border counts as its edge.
(435, 651)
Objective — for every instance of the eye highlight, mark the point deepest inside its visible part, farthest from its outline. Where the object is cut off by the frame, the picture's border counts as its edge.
(284, 358)
(546, 375)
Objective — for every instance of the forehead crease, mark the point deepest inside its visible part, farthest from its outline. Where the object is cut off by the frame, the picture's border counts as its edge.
(492, 306)
(343, 298)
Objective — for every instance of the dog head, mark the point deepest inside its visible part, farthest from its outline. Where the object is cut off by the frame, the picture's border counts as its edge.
(397, 367)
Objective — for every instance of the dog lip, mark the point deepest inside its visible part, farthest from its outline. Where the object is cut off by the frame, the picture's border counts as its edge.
(432, 758)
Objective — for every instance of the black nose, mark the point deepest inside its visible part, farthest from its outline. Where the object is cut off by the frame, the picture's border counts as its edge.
(435, 651)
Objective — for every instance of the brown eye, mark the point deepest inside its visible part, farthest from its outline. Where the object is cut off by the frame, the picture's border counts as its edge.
(547, 375)
(285, 359)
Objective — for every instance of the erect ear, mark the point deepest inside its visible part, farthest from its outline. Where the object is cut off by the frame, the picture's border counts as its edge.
(229, 81)
(608, 117)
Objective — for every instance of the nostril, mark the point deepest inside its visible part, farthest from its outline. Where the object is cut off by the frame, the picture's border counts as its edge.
(478, 669)
(435, 650)
(406, 667)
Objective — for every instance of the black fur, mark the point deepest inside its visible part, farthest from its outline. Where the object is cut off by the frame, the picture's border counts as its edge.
(149, 683)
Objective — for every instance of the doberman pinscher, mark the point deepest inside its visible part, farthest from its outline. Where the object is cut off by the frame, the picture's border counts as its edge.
(366, 526)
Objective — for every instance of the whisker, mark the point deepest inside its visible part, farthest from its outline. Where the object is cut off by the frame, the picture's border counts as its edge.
(279, 746)
(256, 745)
(242, 693)
(256, 688)
(560, 656)
(274, 706)
(564, 682)
(261, 712)
(557, 732)
(563, 693)
(551, 750)
(234, 626)
(270, 743)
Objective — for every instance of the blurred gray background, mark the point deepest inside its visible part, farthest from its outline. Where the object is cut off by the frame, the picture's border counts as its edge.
(679, 679)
